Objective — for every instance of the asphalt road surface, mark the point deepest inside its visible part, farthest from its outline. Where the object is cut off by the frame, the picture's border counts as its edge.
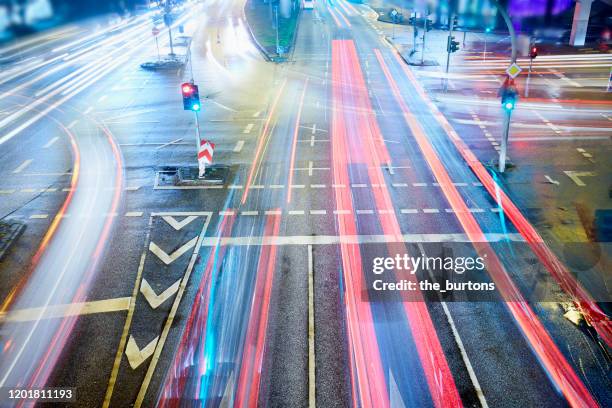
(135, 290)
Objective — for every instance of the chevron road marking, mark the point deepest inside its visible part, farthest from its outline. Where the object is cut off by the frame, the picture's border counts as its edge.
(168, 259)
(137, 356)
(153, 298)
(178, 225)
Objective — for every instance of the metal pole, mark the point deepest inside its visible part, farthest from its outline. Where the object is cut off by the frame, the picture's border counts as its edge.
(464, 37)
(157, 45)
(393, 33)
(448, 51)
(506, 18)
(424, 36)
(415, 33)
(504, 142)
(528, 78)
(484, 54)
(276, 19)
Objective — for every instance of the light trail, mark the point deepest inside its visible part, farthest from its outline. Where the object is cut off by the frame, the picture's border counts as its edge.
(247, 388)
(433, 361)
(541, 343)
(265, 134)
(296, 133)
(366, 372)
(556, 268)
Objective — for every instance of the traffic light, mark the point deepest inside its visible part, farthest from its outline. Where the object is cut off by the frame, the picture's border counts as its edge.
(428, 24)
(533, 52)
(452, 45)
(191, 97)
(509, 95)
(412, 20)
(455, 22)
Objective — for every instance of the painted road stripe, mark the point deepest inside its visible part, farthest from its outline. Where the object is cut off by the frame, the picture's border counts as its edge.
(409, 211)
(248, 128)
(318, 212)
(239, 146)
(22, 166)
(296, 212)
(312, 401)
(51, 142)
(353, 239)
(39, 216)
(72, 309)
(134, 214)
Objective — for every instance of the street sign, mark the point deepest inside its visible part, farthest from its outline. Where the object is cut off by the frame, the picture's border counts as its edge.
(394, 13)
(155, 31)
(513, 70)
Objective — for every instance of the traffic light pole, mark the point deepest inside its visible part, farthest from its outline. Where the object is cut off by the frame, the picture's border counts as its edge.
(448, 51)
(528, 78)
(504, 142)
(424, 36)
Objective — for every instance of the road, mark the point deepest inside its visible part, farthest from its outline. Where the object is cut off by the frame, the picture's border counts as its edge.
(132, 289)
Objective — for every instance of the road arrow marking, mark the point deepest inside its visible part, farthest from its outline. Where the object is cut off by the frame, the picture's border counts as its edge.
(153, 298)
(168, 259)
(550, 180)
(575, 176)
(137, 356)
(177, 225)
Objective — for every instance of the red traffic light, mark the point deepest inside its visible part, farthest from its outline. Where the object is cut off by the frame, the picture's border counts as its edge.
(534, 52)
(187, 88)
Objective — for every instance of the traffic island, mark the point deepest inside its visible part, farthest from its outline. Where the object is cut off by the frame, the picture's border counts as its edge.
(10, 230)
(261, 21)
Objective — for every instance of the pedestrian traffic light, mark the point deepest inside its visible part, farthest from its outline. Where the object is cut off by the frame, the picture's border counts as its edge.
(455, 22)
(452, 45)
(412, 20)
(191, 97)
(533, 52)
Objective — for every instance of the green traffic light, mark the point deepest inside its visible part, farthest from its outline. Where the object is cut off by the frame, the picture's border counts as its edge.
(509, 106)
(195, 107)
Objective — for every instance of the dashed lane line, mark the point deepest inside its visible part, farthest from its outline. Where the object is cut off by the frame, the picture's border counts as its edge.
(22, 166)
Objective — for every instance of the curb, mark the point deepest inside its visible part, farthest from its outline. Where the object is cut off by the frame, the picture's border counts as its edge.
(15, 229)
(261, 49)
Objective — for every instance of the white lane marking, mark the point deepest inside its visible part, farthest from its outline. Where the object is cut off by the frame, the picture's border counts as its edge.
(235, 187)
(153, 298)
(134, 214)
(310, 167)
(360, 212)
(170, 143)
(399, 185)
(88, 110)
(239, 146)
(430, 210)
(178, 225)
(311, 334)
(419, 184)
(71, 309)
(464, 356)
(318, 212)
(169, 258)
(102, 98)
(550, 180)
(248, 128)
(135, 355)
(72, 124)
(256, 114)
(22, 166)
(273, 212)
(39, 216)
(296, 212)
(250, 213)
(576, 175)
(317, 186)
(353, 239)
(276, 186)
(409, 211)
(342, 212)
(51, 142)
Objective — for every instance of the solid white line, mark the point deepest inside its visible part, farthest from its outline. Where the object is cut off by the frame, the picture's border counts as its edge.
(239, 146)
(352, 239)
(312, 402)
(51, 142)
(39, 216)
(464, 356)
(22, 166)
